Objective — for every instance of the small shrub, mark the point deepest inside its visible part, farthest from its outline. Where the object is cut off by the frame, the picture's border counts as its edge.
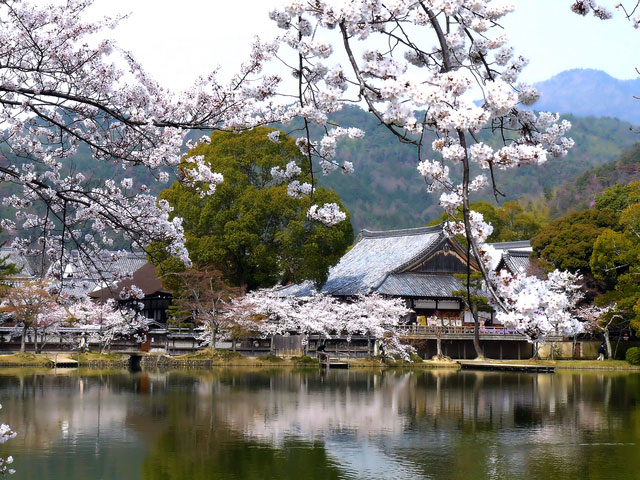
(306, 359)
(270, 357)
(633, 356)
(416, 358)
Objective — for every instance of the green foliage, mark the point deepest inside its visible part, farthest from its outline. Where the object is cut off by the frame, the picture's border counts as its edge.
(633, 356)
(603, 243)
(250, 229)
(270, 357)
(6, 269)
(477, 300)
(305, 360)
(511, 221)
(579, 193)
(567, 243)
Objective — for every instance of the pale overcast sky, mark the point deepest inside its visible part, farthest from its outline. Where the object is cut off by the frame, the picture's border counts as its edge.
(178, 40)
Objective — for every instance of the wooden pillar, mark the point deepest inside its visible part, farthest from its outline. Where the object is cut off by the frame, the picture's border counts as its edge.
(519, 345)
(464, 349)
(500, 350)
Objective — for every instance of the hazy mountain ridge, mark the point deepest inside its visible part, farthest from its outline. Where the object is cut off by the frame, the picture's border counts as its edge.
(588, 92)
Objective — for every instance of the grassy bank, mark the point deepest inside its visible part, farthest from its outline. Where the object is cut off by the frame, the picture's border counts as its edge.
(25, 360)
(213, 358)
(576, 364)
(93, 360)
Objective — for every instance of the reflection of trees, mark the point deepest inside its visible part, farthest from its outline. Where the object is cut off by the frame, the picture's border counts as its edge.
(265, 423)
(198, 453)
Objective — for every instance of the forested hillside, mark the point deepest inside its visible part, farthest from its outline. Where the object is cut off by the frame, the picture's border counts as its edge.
(579, 193)
(386, 191)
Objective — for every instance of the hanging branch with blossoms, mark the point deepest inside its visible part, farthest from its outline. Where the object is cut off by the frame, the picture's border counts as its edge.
(417, 65)
(62, 88)
(5, 463)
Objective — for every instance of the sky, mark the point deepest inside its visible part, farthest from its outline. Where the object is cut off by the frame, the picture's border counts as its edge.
(178, 41)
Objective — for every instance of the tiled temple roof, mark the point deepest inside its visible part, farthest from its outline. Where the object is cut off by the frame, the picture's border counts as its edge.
(520, 245)
(376, 254)
(516, 261)
(409, 284)
(31, 266)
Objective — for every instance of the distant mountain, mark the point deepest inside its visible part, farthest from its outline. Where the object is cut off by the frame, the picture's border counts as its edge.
(587, 92)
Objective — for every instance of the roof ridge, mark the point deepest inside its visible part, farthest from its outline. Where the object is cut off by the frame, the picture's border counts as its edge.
(513, 243)
(517, 253)
(404, 232)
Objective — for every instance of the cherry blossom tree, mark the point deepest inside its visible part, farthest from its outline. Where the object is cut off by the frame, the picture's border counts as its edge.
(371, 315)
(6, 434)
(598, 319)
(63, 90)
(418, 65)
(540, 307)
(107, 322)
(205, 298)
(30, 306)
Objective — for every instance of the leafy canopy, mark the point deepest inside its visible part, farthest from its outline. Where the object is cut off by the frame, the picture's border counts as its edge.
(251, 229)
(604, 243)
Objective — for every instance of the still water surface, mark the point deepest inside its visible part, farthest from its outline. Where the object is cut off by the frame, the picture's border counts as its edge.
(287, 424)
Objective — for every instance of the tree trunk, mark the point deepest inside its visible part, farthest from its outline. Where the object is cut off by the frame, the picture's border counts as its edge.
(476, 336)
(23, 339)
(608, 342)
(214, 334)
(439, 345)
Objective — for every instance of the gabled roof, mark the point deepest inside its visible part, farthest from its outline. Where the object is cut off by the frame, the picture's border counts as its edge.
(30, 266)
(516, 261)
(104, 266)
(520, 245)
(303, 289)
(145, 278)
(377, 254)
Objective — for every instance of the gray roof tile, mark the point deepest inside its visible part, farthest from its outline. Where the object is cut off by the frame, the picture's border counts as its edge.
(411, 284)
(363, 268)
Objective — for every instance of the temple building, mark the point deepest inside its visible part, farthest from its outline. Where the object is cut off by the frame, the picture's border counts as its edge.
(418, 265)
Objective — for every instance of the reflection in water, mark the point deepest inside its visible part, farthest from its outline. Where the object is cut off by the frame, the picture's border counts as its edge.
(255, 424)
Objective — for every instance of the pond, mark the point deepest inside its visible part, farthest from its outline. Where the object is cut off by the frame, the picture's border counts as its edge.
(231, 423)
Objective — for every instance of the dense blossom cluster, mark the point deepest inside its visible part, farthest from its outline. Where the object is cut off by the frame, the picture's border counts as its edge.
(537, 307)
(62, 94)
(437, 72)
(106, 322)
(262, 311)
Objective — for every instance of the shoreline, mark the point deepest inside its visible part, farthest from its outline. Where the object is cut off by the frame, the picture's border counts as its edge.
(208, 360)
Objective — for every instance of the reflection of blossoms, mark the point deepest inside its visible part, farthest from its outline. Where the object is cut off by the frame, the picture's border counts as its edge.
(6, 434)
